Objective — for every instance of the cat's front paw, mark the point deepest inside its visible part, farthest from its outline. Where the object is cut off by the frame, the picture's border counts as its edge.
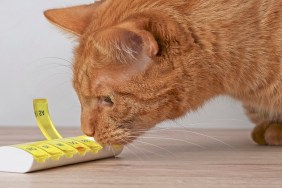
(273, 134)
(268, 134)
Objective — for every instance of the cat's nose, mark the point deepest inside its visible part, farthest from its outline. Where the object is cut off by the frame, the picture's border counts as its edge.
(88, 130)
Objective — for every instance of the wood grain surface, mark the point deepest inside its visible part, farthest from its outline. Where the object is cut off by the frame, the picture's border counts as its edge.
(162, 158)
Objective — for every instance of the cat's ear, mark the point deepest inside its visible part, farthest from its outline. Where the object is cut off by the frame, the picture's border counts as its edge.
(135, 44)
(72, 19)
(150, 44)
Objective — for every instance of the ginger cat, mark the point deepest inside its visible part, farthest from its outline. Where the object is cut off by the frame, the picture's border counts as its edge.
(140, 62)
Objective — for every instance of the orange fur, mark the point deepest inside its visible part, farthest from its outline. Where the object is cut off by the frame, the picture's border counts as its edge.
(140, 62)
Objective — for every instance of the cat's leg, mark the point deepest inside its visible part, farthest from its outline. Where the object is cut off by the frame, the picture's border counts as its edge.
(268, 130)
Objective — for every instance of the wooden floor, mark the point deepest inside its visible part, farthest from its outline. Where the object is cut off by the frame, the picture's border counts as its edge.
(169, 161)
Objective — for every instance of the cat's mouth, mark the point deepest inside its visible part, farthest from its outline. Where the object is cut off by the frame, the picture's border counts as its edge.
(113, 141)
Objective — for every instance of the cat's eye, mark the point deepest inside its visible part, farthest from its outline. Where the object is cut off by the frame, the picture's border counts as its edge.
(107, 100)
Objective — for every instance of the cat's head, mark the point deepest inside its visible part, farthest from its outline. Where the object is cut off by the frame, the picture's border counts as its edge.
(123, 86)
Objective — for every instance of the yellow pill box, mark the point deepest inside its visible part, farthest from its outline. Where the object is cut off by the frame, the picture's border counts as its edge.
(46, 154)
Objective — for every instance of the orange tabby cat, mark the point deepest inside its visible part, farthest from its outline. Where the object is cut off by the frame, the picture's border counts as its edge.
(140, 62)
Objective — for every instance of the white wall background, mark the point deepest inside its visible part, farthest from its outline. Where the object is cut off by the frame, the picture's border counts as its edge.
(27, 70)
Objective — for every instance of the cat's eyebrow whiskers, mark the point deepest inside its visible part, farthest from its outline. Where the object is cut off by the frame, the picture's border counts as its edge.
(43, 65)
(57, 64)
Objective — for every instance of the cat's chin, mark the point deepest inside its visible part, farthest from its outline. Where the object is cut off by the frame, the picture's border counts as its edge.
(115, 142)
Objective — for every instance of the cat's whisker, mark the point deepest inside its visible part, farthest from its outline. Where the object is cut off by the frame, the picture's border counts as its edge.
(113, 151)
(126, 145)
(50, 77)
(57, 74)
(159, 147)
(222, 119)
(149, 151)
(185, 130)
(42, 64)
(172, 139)
(130, 149)
(200, 123)
(41, 86)
(201, 134)
(146, 150)
(41, 83)
(53, 66)
(56, 58)
(140, 150)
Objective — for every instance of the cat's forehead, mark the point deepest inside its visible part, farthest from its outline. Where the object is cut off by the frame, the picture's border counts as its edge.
(90, 82)
(92, 75)
(92, 53)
